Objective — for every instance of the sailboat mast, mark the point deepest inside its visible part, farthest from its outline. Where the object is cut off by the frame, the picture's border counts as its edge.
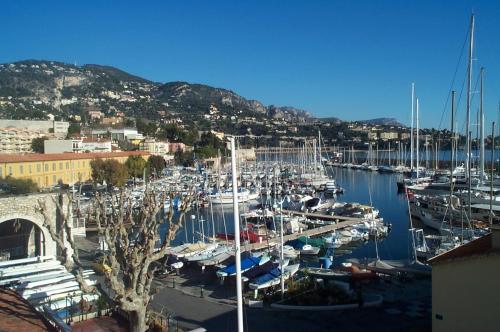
(411, 132)
(417, 140)
(469, 88)
(239, 295)
(481, 132)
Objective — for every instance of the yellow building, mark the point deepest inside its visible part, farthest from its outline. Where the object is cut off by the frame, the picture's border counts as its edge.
(48, 170)
(466, 286)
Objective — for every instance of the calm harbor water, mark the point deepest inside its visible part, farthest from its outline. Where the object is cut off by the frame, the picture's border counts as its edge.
(360, 186)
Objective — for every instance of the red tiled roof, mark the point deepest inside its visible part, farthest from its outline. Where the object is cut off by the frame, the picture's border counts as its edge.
(476, 247)
(33, 157)
(16, 314)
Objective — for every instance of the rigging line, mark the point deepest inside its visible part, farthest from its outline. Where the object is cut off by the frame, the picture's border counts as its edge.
(453, 79)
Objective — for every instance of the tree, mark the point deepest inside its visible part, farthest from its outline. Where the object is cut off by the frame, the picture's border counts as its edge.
(155, 164)
(112, 171)
(98, 170)
(18, 186)
(74, 128)
(37, 144)
(116, 173)
(131, 262)
(135, 166)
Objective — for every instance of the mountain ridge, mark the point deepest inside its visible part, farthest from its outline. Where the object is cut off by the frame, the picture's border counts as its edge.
(67, 89)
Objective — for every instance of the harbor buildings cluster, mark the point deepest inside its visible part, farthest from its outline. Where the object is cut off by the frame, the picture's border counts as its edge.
(48, 170)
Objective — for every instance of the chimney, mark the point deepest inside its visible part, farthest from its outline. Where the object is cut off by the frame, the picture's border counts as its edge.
(495, 236)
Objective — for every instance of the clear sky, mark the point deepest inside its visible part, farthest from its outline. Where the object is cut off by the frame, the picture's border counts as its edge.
(348, 59)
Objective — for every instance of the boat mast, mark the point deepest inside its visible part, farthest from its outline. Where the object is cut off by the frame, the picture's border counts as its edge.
(239, 295)
(411, 132)
(452, 155)
(417, 139)
(491, 171)
(469, 88)
(481, 132)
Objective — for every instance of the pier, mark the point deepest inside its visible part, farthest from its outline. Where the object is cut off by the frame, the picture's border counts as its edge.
(342, 222)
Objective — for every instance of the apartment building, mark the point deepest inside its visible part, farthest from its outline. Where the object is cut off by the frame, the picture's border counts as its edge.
(17, 140)
(47, 170)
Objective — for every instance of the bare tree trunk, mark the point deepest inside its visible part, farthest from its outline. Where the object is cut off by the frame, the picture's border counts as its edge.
(137, 320)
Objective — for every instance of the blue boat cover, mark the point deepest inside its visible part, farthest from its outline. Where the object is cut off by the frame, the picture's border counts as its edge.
(246, 264)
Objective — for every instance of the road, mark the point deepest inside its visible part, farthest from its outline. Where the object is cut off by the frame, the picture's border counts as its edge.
(192, 312)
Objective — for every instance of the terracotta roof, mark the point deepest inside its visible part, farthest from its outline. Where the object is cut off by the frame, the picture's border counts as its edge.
(476, 247)
(33, 157)
(16, 314)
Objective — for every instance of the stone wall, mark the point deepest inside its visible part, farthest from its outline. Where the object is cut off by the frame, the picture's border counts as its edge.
(26, 207)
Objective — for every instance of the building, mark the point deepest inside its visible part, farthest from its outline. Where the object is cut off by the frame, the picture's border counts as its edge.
(390, 135)
(47, 170)
(58, 128)
(465, 286)
(77, 145)
(372, 135)
(154, 147)
(404, 136)
(112, 120)
(173, 147)
(94, 145)
(17, 140)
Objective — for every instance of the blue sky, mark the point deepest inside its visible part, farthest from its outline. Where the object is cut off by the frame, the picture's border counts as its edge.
(349, 59)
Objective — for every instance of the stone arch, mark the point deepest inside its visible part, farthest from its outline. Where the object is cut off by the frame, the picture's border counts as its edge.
(26, 207)
(47, 246)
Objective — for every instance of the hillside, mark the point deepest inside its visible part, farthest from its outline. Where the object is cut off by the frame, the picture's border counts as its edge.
(383, 122)
(33, 88)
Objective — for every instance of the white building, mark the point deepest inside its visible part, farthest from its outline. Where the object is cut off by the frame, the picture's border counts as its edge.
(77, 145)
(154, 147)
(59, 128)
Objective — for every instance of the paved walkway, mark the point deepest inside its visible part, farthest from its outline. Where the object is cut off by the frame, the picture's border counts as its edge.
(192, 312)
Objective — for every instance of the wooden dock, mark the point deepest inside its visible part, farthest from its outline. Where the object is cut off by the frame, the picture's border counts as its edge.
(346, 221)
(312, 215)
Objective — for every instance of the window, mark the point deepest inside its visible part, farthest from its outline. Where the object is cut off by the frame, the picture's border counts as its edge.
(21, 169)
(54, 179)
(38, 168)
(60, 166)
(29, 168)
(46, 167)
(83, 163)
(67, 165)
(10, 170)
(0, 172)
(53, 167)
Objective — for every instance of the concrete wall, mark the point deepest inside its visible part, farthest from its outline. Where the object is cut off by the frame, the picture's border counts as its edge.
(58, 146)
(466, 294)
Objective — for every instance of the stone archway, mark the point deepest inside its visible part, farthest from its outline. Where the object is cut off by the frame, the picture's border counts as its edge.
(22, 237)
(25, 208)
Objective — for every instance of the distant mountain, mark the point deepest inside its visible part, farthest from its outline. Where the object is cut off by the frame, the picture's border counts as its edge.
(383, 122)
(34, 88)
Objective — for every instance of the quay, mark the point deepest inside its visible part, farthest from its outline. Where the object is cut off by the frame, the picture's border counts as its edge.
(342, 222)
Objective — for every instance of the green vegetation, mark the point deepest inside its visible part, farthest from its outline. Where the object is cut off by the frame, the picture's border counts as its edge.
(135, 166)
(74, 129)
(155, 164)
(18, 186)
(37, 144)
(112, 171)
